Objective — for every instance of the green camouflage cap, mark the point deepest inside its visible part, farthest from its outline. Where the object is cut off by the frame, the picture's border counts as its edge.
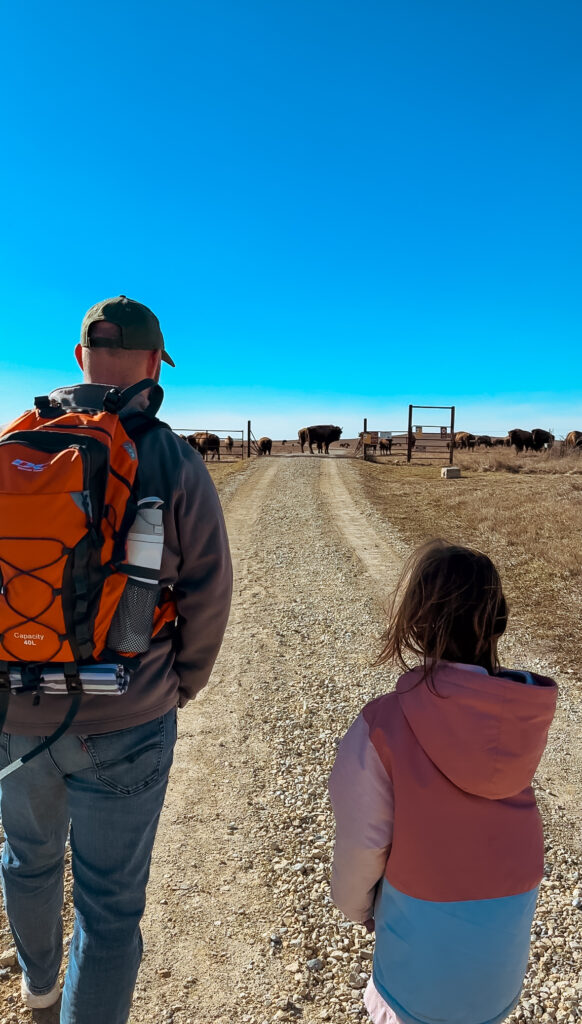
(140, 328)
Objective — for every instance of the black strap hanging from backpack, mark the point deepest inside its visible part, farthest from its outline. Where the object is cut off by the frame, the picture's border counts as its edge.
(46, 743)
(74, 687)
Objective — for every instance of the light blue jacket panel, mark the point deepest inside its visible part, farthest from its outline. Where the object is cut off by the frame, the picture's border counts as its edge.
(451, 963)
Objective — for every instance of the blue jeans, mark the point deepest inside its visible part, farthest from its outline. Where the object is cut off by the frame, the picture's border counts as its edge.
(110, 789)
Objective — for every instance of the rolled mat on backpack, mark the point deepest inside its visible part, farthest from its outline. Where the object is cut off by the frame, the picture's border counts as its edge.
(109, 680)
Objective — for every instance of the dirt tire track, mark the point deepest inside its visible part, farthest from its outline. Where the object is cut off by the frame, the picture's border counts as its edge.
(375, 544)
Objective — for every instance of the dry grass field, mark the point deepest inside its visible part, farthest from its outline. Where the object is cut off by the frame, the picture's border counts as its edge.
(525, 512)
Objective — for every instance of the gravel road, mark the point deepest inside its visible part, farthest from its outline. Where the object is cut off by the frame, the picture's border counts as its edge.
(239, 925)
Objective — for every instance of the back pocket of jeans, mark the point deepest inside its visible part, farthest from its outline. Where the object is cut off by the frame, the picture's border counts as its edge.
(129, 760)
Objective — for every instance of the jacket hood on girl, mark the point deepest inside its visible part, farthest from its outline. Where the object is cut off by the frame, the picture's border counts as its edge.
(485, 733)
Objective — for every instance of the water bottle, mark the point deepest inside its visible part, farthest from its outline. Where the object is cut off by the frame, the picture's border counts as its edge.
(131, 628)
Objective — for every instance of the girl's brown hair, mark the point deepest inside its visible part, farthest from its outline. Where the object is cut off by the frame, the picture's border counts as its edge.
(448, 604)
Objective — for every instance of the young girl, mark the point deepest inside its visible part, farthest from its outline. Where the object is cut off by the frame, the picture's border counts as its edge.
(439, 844)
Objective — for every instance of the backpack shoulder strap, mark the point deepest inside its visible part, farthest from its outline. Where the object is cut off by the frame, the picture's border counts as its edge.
(116, 398)
(139, 423)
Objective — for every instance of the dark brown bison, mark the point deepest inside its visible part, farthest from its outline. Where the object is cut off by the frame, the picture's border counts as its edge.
(573, 438)
(321, 435)
(228, 444)
(344, 444)
(385, 446)
(464, 439)
(264, 444)
(521, 440)
(483, 440)
(541, 439)
(205, 443)
(499, 442)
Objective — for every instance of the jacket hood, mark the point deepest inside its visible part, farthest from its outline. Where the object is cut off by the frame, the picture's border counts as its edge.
(485, 733)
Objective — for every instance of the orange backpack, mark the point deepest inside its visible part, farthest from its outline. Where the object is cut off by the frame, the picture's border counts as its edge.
(68, 497)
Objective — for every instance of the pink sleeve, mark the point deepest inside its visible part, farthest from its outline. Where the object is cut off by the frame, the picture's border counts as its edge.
(362, 799)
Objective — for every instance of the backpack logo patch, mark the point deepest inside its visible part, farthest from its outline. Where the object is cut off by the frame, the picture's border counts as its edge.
(30, 467)
(129, 449)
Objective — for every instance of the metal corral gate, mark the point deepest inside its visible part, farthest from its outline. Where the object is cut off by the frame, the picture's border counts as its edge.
(427, 441)
(226, 450)
(423, 442)
(382, 442)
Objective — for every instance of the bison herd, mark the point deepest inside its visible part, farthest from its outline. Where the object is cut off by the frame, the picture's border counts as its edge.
(323, 435)
(536, 440)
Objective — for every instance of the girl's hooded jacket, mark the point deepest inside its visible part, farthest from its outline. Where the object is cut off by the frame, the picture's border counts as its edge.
(440, 840)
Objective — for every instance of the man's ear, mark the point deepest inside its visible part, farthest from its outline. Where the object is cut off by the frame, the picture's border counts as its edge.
(154, 364)
(79, 355)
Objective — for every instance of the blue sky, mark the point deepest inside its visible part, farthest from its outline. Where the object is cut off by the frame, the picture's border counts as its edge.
(335, 208)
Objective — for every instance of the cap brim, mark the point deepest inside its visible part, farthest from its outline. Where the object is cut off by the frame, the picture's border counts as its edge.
(167, 359)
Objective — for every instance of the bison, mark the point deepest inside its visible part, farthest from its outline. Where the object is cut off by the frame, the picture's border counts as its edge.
(541, 439)
(483, 440)
(573, 439)
(204, 443)
(228, 444)
(264, 445)
(321, 435)
(385, 446)
(464, 439)
(499, 442)
(521, 439)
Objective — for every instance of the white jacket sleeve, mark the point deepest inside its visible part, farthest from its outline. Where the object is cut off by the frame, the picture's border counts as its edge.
(362, 799)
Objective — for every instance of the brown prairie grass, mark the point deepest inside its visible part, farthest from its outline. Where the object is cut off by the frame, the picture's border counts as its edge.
(507, 461)
(530, 524)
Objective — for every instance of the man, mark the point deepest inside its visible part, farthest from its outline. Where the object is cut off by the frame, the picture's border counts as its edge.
(107, 776)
